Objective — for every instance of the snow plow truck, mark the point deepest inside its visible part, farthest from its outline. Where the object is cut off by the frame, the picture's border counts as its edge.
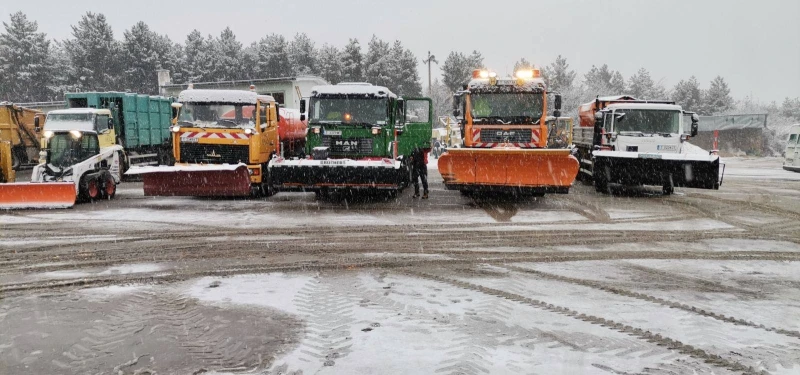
(222, 141)
(360, 138)
(17, 128)
(505, 138)
(634, 142)
(75, 165)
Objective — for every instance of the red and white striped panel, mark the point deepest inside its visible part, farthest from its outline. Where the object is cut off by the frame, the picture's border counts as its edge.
(510, 144)
(476, 135)
(535, 136)
(210, 135)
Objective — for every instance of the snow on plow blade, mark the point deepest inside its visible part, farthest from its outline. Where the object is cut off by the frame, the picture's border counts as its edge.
(195, 180)
(37, 195)
(681, 170)
(508, 169)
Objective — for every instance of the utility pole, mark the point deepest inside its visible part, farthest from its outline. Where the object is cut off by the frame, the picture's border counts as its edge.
(429, 60)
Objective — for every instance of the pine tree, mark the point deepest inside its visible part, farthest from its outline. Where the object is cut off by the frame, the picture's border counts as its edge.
(227, 57)
(442, 99)
(273, 57)
(404, 73)
(93, 54)
(522, 64)
(558, 76)
(25, 63)
(718, 97)
(641, 86)
(144, 52)
(330, 65)
(457, 69)
(688, 95)
(352, 62)
(197, 65)
(603, 81)
(378, 63)
(303, 55)
(60, 83)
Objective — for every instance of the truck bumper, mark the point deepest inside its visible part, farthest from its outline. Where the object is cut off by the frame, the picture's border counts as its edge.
(679, 170)
(313, 175)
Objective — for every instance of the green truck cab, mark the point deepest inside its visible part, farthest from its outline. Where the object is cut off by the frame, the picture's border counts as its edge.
(360, 137)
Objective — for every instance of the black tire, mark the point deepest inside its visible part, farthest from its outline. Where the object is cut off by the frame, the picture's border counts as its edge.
(109, 186)
(668, 190)
(601, 183)
(90, 188)
(16, 159)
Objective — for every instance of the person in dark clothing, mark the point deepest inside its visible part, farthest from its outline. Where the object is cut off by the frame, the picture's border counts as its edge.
(419, 171)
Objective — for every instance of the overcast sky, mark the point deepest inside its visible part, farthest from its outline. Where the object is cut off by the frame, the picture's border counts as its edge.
(754, 45)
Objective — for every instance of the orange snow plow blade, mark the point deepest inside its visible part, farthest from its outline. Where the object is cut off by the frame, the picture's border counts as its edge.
(37, 195)
(195, 181)
(534, 171)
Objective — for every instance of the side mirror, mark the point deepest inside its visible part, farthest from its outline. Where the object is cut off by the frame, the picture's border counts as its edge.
(36, 123)
(302, 106)
(456, 112)
(557, 106)
(110, 124)
(695, 129)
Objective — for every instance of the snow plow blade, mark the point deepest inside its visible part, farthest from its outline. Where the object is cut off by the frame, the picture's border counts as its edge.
(37, 195)
(533, 171)
(195, 180)
(313, 175)
(679, 170)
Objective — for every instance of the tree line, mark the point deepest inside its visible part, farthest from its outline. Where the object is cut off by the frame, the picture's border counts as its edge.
(35, 68)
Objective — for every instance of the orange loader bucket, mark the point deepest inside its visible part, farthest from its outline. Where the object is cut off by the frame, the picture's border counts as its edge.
(199, 181)
(37, 195)
(509, 169)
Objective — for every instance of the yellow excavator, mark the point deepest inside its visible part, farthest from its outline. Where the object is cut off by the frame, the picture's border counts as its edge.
(7, 173)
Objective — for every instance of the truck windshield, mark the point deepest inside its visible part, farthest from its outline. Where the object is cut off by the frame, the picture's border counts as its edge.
(217, 115)
(648, 121)
(76, 117)
(514, 107)
(349, 111)
(65, 149)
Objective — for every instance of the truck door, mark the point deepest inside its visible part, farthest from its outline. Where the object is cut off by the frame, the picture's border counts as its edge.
(418, 125)
(268, 127)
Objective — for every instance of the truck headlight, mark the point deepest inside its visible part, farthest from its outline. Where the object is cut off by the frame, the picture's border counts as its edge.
(376, 131)
(248, 131)
(316, 130)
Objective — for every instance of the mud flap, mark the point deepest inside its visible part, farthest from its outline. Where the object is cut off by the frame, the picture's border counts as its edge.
(37, 195)
(195, 181)
(511, 169)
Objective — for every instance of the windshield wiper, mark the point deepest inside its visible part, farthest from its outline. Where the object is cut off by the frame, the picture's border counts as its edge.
(230, 121)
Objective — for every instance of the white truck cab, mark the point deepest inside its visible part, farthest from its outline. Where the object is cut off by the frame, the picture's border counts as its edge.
(646, 128)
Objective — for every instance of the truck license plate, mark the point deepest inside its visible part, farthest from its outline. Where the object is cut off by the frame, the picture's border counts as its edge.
(649, 156)
(190, 140)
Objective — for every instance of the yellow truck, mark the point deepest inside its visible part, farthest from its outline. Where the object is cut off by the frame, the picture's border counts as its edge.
(18, 127)
(7, 173)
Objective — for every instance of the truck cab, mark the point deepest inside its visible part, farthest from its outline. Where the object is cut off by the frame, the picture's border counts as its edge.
(791, 161)
(96, 121)
(644, 128)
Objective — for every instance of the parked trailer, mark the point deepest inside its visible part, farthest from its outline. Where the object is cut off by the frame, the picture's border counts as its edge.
(141, 123)
(18, 127)
(791, 161)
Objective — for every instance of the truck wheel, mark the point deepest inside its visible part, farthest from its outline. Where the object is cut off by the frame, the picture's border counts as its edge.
(90, 189)
(601, 185)
(16, 160)
(109, 186)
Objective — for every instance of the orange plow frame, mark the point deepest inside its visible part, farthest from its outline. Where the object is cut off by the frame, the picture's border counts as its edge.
(37, 195)
(509, 169)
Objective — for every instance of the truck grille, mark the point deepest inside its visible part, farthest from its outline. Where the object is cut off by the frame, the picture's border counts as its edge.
(214, 154)
(510, 136)
(348, 146)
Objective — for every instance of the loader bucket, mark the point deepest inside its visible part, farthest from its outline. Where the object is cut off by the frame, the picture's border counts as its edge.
(37, 195)
(534, 171)
(195, 181)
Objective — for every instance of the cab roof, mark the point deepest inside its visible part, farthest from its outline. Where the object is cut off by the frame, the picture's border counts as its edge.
(222, 96)
(353, 88)
(655, 106)
(78, 111)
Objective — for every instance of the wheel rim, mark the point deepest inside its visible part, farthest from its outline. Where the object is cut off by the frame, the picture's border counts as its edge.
(111, 188)
(93, 189)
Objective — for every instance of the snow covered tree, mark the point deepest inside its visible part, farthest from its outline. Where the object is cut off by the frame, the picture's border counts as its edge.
(718, 97)
(227, 57)
(273, 57)
(329, 64)
(688, 95)
(197, 64)
(352, 62)
(791, 108)
(457, 69)
(603, 81)
(558, 76)
(404, 73)
(60, 61)
(93, 54)
(442, 99)
(378, 62)
(522, 64)
(25, 63)
(144, 52)
(303, 55)
(641, 86)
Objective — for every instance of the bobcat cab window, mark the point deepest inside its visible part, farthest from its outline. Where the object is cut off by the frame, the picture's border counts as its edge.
(101, 123)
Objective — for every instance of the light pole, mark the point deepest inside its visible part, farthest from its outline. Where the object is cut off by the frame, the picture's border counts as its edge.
(429, 60)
